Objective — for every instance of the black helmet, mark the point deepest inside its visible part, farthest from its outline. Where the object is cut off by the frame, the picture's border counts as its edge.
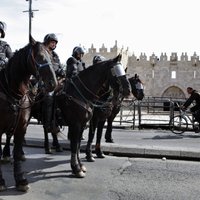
(98, 58)
(77, 50)
(2, 29)
(50, 37)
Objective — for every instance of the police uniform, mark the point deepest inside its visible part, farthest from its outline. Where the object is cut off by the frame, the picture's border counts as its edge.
(74, 63)
(74, 66)
(5, 50)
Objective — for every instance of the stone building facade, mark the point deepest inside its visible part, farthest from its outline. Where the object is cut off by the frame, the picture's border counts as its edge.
(163, 76)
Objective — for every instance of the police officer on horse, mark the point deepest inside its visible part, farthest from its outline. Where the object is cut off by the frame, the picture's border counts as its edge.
(5, 50)
(50, 42)
(75, 63)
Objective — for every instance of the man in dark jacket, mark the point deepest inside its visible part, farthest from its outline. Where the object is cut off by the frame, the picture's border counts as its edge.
(194, 97)
(75, 63)
(5, 50)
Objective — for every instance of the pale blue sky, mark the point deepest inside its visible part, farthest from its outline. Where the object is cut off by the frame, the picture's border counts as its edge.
(142, 25)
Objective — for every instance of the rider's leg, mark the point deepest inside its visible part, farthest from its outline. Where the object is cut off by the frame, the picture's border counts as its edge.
(48, 112)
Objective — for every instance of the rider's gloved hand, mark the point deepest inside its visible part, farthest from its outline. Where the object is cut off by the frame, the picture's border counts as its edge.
(183, 107)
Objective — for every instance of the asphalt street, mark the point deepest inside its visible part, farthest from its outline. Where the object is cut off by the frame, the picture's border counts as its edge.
(134, 143)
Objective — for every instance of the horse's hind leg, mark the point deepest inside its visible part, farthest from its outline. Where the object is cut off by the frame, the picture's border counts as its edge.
(2, 181)
(98, 151)
(88, 151)
(46, 142)
(108, 134)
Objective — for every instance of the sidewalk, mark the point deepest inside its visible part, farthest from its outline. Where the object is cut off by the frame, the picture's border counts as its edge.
(134, 143)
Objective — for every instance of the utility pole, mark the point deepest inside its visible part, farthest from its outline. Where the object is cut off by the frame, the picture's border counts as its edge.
(30, 11)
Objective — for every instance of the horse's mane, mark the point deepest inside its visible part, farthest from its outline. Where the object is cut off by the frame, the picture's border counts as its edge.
(98, 67)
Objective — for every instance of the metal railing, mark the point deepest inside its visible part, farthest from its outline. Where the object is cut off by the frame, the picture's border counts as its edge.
(151, 111)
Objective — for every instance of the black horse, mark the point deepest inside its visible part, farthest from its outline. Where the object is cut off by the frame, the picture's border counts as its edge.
(137, 90)
(100, 116)
(15, 102)
(78, 98)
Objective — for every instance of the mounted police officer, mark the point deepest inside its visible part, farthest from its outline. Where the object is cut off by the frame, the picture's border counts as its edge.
(5, 50)
(97, 59)
(49, 121)
(75, 63)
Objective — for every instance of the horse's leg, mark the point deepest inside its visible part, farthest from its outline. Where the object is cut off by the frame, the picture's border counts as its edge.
(2, 181)
(98, 151)
(6, 149)
(91, 133)
(83, 168)
(75, 134)
(110, 119)
(21, 181)
(46, 141)
(55, 143)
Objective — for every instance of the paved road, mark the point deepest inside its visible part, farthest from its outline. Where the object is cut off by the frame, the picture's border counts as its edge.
(140, 143)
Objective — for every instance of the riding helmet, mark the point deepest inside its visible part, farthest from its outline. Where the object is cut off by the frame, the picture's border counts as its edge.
(50, 37)
(98, 58)
(77, 50)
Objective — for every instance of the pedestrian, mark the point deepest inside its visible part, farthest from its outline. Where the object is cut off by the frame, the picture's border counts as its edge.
(49, 120)
(5, 49)
(194, 98)
(75, 63)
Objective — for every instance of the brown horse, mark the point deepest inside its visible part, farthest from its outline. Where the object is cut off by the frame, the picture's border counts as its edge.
(78, 98)
(15, 102)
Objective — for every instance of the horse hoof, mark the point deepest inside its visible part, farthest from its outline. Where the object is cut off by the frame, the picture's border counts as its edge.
(90, 158)
(23, 188)
(110, 140)
(23, 158)
(59, 149)
(2, 188)
(100, 155)
(48, 151)
(83, 168)
(80, 174)
(6, 159)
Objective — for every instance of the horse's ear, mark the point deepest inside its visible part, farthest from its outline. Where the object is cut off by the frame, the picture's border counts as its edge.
(118, 58)
(31, 40)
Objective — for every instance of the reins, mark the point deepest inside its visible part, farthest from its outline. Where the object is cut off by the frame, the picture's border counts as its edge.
(84, 98)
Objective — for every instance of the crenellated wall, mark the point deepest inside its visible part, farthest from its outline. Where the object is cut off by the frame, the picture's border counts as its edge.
(164, 76)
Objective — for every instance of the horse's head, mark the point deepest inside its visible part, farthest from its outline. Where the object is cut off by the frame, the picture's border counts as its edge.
(101, 75)
(137, 87)
(41, 66)
(119, 78)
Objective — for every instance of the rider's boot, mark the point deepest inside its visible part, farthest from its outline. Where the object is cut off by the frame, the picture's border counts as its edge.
(48, 113)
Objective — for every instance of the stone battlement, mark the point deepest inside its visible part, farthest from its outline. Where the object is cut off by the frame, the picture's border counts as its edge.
(163, 76)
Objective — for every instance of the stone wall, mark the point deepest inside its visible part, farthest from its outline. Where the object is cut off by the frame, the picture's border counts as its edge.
(164, 76)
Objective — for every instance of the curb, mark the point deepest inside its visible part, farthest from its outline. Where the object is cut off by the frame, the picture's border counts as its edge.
(130, 151)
